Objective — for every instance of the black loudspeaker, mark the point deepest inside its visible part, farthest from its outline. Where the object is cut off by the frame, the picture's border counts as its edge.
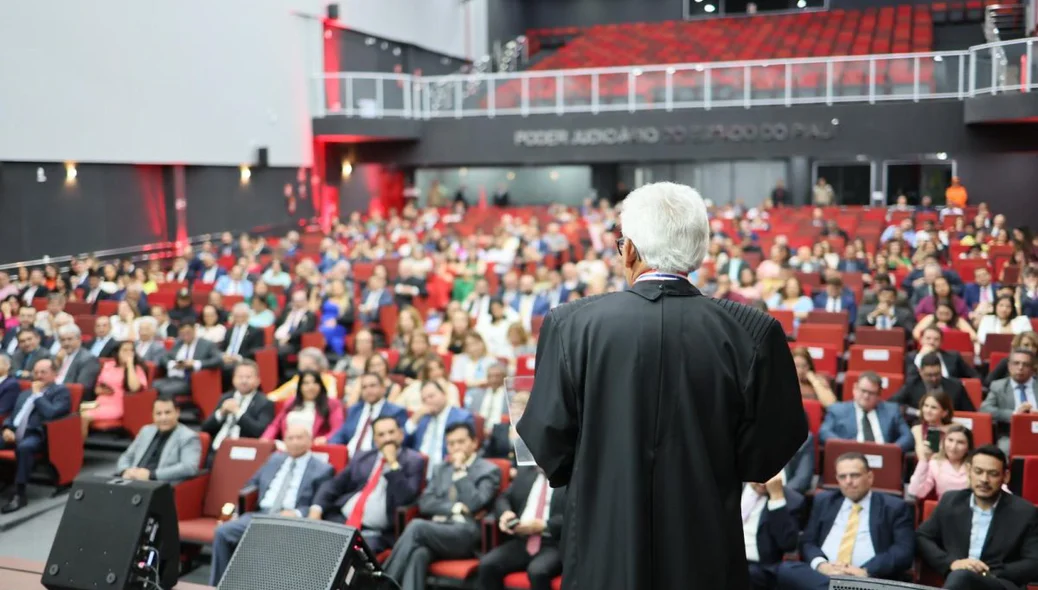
(277, 553)
(115, 534)
(262, 157)
(333, 11)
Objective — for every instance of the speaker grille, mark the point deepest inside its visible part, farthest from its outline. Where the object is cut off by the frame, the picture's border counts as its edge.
(279, 553)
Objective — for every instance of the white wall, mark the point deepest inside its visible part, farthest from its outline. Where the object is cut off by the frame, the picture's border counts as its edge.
(162, 81)
(452, 27)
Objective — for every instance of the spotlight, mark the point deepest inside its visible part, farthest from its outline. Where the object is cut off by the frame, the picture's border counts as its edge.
(347, 168)
(70, 173)
(709, 8)
(942, 156)
(246, 174)
(801, 4)
(510, 175)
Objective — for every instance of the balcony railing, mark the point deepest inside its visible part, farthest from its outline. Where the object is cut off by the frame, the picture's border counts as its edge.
(992, 68)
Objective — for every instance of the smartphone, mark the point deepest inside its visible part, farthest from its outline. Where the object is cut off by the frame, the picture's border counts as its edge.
(512, 523)
(933, 439)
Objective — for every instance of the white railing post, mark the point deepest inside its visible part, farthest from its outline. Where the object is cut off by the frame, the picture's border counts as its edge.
(1028, 66)
(407, 97)
(962, 75)
(379, 99)
(915, 79)
(789, 84)
(973, 73)
(491, 97)
(707, 88)
(668, 89)
(630, 92)
(746, 89)
(594, 93)
(349, 94)
(994, 71)
(457, 99)
(560, 100)
(829, 82)
(524, 97)
(872, 80)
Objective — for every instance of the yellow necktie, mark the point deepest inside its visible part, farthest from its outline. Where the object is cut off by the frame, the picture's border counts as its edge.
(849, 535)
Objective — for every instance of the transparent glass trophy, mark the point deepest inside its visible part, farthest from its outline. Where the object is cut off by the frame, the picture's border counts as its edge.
(517, 393)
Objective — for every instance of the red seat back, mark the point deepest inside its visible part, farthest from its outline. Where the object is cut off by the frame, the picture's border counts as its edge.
(875, 358)
(975, 390)
(1023, 435)
(884, 459)
(813, 409)
(235, 462)
(337, 456)
(960, 342)
(980, 425)
(875, 337)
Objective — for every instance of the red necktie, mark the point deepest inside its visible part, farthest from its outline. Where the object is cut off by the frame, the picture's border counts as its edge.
(363, 432)
(533, 544)
(357, 515)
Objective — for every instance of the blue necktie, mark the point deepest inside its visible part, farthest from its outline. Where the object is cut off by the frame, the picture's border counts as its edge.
(1022, 389)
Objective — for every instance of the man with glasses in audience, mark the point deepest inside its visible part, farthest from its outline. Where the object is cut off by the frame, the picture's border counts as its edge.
(852, 532)
(1013, 395)
(28, 352)
(75, 363)
(982, 538)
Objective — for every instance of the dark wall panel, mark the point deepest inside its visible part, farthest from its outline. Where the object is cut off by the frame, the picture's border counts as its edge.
(109, 206)
(579, 13)
(360, 52)
(218, 201)
(1006, 181)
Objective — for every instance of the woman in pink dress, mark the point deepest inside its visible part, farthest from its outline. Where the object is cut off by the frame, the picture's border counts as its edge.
(125, 375)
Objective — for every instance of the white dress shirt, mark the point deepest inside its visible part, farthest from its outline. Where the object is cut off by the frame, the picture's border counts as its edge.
(235, 337)
(375, 517)
(530, 510)
(185, 353)
(432, 439)
(1028, 389)
(751, 522)
(99, 345)
(230, 428)
(863, 548)
(873, 420)
(267, 502)
(833, 304)
(493, 406)
(66, 365)
(370, 412)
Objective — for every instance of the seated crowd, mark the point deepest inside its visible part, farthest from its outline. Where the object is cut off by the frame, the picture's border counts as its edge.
(394, 338)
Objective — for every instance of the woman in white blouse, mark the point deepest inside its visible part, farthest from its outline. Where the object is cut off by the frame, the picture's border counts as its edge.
(1003, 321)
(123, 322)
(471, 366)
(493, 327)
(209, 326)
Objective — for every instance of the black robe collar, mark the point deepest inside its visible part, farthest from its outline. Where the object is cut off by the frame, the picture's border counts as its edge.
(653, 290)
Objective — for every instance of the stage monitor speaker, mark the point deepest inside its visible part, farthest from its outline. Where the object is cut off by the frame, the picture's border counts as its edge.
(333, 11)
(855, 583)
(262, 157)
(115, 533)
(277, 553)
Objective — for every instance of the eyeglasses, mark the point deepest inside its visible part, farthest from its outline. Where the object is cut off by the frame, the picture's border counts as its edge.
(620, 244)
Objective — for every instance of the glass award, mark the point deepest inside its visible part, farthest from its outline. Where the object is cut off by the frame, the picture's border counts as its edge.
(517, 393)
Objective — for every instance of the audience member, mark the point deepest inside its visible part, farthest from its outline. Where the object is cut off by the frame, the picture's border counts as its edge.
(25, 431)
(165, 450)
(379, 479)
(1014, 394)
(952, 363)
(9, 386)
(928, 378)
(149, 348)
(982, 538)
(286, 485)
(243, 412)
(867, 418)
(312, 407)
(459, 490)
(356, 429)
(770, 528)
(189, 354)
(852, 532)
(943, 469)
(429, 424)
(117, 378)
(28, 352)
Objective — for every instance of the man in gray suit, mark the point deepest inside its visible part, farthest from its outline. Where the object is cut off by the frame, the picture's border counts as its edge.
(148, 347)
(286, 485)
(189, 354)
(458, 491)
(1013, 395)
(163, 451)
(75, 364)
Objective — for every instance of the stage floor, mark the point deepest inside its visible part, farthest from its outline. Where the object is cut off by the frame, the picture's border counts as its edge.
(22, 574)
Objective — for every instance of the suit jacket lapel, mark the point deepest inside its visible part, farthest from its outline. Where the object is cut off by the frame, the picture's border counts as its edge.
(998, 519)
(268, 478)
(168, 447)
(148, 435)
(875, 522)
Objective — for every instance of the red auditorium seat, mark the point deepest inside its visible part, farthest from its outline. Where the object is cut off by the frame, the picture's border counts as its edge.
(975, 390)
(64, 441)
(876, 337)
(891, 383)
(980, 425)
(876, 358)
(206, 389)
(136, 414)
(886, 461)
(1023, 435)
(201, 498)
(338, 456)
(267, 361)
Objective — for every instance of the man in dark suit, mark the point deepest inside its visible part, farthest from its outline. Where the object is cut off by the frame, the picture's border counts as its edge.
(770, 526)
(852, 532)
(286, 485)
(596, 354)
(296, 320)
(408, 285)
(26, 322)
(952, 363)
(928, 379)
(28, 352)
(429, 424)
(981, 290)
(835, 299)
(982, 538)
(798, 475)
(374, 298)
(24, 429)
(460, 490)
(866, 419)
(885, 313)
(103, 345)
(35, 289)
(242, 413)
(148, 347)
(75, 364)
(9, 386)
(355, 431)
(242, 340)
(92, 292)
(529, 304)
(523, 513)
(367, 493)
(734, 265)
(189, 354)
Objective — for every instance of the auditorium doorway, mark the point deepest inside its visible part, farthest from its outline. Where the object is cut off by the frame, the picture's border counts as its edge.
(914, 179)
(852, 182)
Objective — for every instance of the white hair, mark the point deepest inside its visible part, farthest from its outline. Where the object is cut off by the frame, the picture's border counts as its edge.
(154, 323)
(242, 307)
(667, 224)
(70, 330)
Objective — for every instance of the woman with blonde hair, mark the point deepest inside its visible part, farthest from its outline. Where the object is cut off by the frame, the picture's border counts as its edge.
(945, 470)
(408, 322)
(812, 385)
(936, 411)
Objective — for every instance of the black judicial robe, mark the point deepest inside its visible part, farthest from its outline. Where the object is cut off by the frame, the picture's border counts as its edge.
(654, 405)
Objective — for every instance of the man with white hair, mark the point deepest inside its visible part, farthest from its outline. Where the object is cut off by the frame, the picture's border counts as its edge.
(654, 404)
(75, 364)
(61, 319)
(148, 347)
